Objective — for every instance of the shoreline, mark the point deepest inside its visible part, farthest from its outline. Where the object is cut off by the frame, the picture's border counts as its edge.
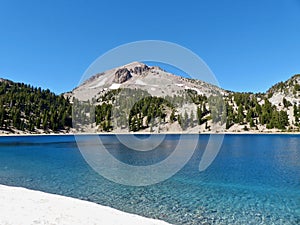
(36, 207)
(145, 133)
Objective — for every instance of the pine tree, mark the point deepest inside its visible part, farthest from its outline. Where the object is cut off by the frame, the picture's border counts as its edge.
(192, 118)
(252, 123)
(240, 116)
(185, 120)
(172, 116)
(199, 115)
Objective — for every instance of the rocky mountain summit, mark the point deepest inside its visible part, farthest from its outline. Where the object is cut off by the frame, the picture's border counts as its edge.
(137, 75)
(124, 74)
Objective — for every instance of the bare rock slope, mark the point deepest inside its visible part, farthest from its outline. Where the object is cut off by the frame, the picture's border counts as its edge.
(137, 75)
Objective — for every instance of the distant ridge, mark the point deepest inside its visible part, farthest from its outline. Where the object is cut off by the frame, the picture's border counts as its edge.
(5, 80)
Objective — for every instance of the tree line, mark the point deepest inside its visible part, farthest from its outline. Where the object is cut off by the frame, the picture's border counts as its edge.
(27, 108)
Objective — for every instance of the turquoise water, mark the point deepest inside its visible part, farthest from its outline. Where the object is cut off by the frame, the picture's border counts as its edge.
(255, 179)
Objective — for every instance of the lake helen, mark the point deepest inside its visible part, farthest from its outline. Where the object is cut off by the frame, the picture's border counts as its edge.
(255, 179)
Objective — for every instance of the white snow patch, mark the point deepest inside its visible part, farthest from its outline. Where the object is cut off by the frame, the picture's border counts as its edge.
(153, 89)
(114, 86)
(179, 85)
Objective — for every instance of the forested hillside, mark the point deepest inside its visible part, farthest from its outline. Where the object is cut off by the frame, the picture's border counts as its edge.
(31, 109)
(191, 111)
(253, 110)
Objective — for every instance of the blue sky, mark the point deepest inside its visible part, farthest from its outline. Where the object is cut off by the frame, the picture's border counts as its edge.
(249, 45)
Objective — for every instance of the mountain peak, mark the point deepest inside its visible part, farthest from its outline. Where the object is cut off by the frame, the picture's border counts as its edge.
(125, 72)
(133, 65)
(137, 75)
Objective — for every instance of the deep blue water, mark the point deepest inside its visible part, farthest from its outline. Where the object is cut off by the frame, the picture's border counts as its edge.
(255, 179)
